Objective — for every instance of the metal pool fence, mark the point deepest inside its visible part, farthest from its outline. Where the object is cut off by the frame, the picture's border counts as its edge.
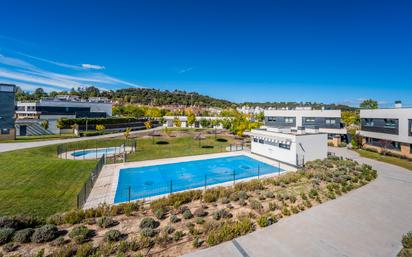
(113, 152)
(87, 187)
(150, 191)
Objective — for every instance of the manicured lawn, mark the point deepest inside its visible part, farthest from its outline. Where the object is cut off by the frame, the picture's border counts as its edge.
(392, 160)
(35, 182)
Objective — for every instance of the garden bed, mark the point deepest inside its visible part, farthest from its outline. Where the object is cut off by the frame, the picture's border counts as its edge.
(183, 222)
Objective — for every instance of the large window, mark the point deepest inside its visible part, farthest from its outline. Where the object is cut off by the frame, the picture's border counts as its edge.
(390, 123)
(273, 119)
(284, 146)
(5, 131)
(330, 121)
(369, 122)
(309, 120)
(289, 120)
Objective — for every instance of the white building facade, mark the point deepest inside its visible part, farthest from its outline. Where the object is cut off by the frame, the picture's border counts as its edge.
(290, 147)
(326, 121)
(170, 122)
(388, 129)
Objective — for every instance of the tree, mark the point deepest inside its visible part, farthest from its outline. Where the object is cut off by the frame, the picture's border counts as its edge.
(369, 104)
(39, 93)
(260, 116)
(177, 122)
(191, 118)
(45, 124)
(126, 133)
(205, 123)
(350, 117)
(100, 127)
(148, 124)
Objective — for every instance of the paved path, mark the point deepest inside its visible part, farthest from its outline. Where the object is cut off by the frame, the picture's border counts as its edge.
(369, 221)
(6, 147)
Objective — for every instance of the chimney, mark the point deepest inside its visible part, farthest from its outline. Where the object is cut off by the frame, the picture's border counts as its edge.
(398, 104)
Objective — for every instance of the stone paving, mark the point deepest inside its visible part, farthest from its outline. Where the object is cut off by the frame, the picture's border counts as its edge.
(369, 221)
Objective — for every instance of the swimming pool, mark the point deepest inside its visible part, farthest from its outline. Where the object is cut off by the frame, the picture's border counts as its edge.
(93, 153)
(143, 182)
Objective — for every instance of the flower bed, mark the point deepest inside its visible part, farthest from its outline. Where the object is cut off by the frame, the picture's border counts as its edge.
(185, 221)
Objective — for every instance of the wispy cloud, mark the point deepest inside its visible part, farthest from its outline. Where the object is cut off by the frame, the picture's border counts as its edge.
(185, 70)
(28, 75)
(93, 66)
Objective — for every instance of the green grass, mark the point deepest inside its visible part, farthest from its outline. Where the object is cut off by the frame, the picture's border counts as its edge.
(388, 159)
(21, 139)
(35, 182)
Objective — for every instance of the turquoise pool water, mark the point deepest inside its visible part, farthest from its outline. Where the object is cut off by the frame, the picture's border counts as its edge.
(144, 182)
(92, 153)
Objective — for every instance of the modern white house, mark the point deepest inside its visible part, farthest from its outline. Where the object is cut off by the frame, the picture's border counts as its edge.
(326, 121)
(293, 147)
(31, 114)
(170, 121)
(388, 129)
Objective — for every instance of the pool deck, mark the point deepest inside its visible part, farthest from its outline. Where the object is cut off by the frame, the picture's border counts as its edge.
(105, 187)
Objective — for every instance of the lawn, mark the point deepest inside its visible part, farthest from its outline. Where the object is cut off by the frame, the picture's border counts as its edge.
(35, 182)
(388, 159)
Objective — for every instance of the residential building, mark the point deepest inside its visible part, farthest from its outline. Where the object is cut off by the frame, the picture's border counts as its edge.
(250, 110)
(7, 111)
(388, 129)
(293, 147)
(52, 109)
(326, 121)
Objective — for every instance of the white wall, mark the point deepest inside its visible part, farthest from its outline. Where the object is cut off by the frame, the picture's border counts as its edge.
(315, 146)
(274, 152)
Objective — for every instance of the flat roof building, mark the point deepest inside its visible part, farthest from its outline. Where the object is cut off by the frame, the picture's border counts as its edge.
(7, 111)
(294, 147)
(388, 129)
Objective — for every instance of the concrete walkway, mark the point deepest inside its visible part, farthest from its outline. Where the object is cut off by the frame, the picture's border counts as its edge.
(6, 147)
(369, 221)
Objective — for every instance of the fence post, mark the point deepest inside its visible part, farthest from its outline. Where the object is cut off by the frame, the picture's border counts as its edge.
(258, 171)
(234, 177)
(279, 168)
(129, 193)
(205, 181)
(171, 186)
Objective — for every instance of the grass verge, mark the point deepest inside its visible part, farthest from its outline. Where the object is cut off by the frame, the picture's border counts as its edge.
(388, 159)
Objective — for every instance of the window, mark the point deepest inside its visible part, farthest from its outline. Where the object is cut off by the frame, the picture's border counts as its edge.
(255, 139)
(390, 123)
(261, 141)
(396, 145)
(369, 122)
(272, 119)
(309, 120)
(5, 131)
(289, 120)
(330, 121)
(284, 146)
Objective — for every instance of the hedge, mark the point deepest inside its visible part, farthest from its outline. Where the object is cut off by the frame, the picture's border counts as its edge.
(67, 123)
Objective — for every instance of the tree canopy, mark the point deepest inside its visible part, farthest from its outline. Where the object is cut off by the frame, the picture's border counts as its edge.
(369, 104)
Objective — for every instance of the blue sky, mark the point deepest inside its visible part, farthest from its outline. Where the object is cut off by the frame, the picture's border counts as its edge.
(288, 50)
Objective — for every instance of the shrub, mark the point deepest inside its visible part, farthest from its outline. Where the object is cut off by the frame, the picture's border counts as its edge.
(229, 230)
(176, 199)
(266, 220)
(225, 200)
(45, 233)
(148, 232)
(292, 199)
(242, 202)
(307, 203)
(285, 211)
(187, 214)
(407, 240)
(174, 218)
(85, 250)
(200, 212)
(252, 185)
(294, 209)
(169, 229)
(106, 222)
(242, 195)
(197, 242)
(199, 220)
(211, 195)
(269, 194)
(23, 236)
(178, 235)
(9, 247)
(148, 222)
(234, 197)
(58, 241)
(80, 234)
(313, 193)
(20, 222)
(221, 214)
(273, 206)
(112, 235)
(163, 240)
(255, 204)
(74, 217)
(56, 219)
(64, 251)
(159, 213)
